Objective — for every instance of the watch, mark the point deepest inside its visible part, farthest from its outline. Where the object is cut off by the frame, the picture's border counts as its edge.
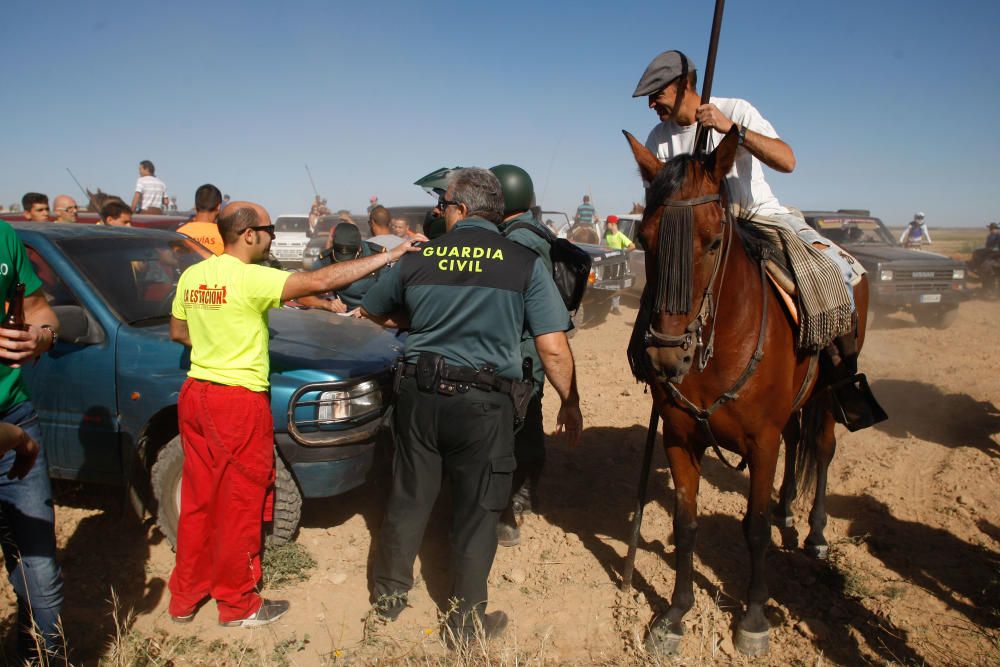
(55, 336)
(742, 134)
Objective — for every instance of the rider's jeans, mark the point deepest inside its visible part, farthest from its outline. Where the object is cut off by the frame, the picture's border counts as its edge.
(27, 535)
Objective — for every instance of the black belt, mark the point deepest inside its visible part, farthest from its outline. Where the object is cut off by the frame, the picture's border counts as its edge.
(482, 378)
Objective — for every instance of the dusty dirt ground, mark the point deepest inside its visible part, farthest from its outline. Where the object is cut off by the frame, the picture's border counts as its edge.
(912, 578)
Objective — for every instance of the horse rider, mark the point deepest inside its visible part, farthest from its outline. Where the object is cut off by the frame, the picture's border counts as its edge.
(467, 296)
(670, 86)
(529, 442)
(915, 233)
(993, 238)
(669, 83)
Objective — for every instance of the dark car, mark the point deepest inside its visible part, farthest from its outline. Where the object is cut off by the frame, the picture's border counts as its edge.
(924, 283)
(107, 393)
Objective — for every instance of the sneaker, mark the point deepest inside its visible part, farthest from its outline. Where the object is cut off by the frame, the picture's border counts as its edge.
(182, 619)
(269, 612)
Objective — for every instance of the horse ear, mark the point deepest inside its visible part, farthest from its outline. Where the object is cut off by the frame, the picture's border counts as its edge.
(722, 158)
(648, 164)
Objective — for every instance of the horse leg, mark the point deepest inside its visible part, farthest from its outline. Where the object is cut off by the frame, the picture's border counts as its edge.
(752, 630)
(783, 514)
(666, 631)
(826, 446)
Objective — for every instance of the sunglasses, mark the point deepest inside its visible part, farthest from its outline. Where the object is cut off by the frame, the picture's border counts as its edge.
(263, 228)
(445, 203)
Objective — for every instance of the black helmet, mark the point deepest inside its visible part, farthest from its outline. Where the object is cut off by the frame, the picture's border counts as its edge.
(518, 190)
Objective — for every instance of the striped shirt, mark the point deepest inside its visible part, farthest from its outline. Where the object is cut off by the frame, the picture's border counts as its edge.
(585, 214)
(153, 190)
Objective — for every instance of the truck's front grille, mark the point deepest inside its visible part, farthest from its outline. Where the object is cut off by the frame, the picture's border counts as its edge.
(923, 287)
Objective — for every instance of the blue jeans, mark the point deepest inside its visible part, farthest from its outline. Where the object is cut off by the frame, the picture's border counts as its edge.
(27, 535)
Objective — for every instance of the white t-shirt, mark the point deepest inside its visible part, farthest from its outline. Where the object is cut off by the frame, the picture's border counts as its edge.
(153, 191)
(747, 186)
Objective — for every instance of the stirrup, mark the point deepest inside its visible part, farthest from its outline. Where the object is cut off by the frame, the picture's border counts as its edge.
(854, 404)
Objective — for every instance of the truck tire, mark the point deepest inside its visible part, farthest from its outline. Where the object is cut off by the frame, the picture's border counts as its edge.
(166, 482)
(938, 317)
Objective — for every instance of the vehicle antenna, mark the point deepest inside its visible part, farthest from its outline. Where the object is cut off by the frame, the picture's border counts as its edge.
(706, 92)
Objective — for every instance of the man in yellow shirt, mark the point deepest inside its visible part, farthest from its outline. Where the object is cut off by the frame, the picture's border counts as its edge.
(224, 413)
(203, 227)
(614, 238)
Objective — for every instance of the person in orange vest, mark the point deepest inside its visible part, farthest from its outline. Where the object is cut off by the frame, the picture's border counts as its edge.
(203, 227)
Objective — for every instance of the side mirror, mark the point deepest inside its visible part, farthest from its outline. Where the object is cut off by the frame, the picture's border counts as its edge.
(77, 326)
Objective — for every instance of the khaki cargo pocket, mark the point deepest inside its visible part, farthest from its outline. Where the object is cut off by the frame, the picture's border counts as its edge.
(495, 492)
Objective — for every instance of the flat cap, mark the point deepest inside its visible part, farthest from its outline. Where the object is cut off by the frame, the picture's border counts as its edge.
(665, 68)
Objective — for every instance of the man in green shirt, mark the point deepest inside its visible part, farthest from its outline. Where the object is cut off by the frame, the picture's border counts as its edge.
(26, 509)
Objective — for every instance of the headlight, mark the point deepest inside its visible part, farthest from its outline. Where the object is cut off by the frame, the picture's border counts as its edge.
(885, 274)
(958, 274)
(354, 403)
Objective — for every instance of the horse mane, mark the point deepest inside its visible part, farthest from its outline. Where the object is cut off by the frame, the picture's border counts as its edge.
(671, 177)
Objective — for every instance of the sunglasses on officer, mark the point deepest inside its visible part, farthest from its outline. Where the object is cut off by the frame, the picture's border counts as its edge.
(445, 203)
(263, 228)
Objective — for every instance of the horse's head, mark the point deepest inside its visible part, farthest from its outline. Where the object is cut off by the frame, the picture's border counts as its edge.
(683, 233)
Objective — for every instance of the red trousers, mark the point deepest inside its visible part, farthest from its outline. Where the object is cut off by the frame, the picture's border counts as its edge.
(228, 439)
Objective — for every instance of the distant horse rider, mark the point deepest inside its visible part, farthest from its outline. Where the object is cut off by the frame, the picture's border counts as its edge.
(915, 233)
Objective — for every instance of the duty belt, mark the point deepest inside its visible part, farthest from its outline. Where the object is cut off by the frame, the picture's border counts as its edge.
(484, 379)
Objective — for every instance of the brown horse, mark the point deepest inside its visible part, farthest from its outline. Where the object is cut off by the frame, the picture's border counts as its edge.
(719, 351)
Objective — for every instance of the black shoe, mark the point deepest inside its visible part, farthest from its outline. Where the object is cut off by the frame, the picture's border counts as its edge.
(389, 607)
(494, 625)
(269, 612)
(855, 405)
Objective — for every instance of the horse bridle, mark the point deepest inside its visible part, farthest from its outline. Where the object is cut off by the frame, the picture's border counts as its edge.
(706, 311)
(693, 332)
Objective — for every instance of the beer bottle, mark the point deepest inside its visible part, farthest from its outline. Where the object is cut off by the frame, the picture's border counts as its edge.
(15, 310)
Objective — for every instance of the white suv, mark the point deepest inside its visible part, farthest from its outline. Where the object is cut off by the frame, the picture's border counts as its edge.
(291, 235)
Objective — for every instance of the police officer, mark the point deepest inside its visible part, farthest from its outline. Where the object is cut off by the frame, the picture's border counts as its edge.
(468, 296)
(529, 443)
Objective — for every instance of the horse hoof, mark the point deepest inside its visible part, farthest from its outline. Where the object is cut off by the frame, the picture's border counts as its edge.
(664, 638)
(817, 551)
(663, 643)
(751, 643)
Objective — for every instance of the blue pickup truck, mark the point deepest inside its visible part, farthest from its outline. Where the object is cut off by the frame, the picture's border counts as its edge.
(107, 394)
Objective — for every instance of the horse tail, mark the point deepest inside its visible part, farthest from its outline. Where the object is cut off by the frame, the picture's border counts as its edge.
(809, 443)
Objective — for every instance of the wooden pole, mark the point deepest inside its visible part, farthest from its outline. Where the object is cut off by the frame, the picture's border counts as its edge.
(701, 135)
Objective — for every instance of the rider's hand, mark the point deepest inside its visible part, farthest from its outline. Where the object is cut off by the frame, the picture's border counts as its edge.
(710, 116)
(570, 422)
(336, 306)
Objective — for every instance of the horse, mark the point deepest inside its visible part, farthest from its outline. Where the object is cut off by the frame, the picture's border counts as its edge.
(724, 371)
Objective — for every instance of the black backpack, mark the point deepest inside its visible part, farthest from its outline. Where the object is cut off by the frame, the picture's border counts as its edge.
(570, 265)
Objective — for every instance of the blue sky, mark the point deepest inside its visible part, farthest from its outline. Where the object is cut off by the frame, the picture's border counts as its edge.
(888, 104)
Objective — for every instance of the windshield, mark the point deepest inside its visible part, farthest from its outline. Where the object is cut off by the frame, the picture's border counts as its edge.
(854, 230)
(292, 225)
(137, 276)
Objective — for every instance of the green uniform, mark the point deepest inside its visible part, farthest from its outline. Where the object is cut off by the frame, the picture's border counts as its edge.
(14, 268)
(469, 295)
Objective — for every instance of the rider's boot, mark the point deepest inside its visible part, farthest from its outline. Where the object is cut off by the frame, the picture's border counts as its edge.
(856, 407)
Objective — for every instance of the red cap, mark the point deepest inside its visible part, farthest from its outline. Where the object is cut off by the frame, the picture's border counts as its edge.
(612, 218)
